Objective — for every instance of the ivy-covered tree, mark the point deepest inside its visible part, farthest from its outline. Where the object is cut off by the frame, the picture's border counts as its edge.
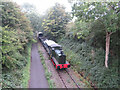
(55, 23)
(107, 13)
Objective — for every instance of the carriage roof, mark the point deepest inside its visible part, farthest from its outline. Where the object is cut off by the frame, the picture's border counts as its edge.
(40, 32)
(52, 43)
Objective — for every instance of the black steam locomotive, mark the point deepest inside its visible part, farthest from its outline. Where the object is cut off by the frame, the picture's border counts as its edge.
(55, 52)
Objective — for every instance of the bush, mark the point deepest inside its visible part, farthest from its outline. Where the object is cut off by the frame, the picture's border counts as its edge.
(13, 77)
(89, 62)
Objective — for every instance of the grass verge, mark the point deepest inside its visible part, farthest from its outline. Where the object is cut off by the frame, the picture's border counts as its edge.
(47, 73)
(26, 69)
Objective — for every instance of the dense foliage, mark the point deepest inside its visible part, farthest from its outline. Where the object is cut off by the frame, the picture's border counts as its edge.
(16, 32)
(104, 13)
(88, 61)
(55, 23)
(16, 38)
(87, 41)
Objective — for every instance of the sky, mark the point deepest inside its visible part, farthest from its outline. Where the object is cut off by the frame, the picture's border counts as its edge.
(43, 5)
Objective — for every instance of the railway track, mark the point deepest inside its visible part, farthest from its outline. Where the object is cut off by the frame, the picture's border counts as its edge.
(65, 73)
(62, 79)
(71, 79)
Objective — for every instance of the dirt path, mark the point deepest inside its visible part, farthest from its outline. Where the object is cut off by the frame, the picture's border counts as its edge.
(37, 75)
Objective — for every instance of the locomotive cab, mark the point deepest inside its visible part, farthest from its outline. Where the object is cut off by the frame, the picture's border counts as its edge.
(59, 55)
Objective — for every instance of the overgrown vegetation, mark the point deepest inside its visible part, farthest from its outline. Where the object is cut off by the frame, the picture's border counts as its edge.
(47, 73)
(105, 14)
(17, 36)
(88, 61)
(16, 33)
(18, 78)
(93, 37)
(55, 22)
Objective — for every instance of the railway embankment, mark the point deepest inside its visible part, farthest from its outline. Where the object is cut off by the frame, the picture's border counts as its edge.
(89, 63)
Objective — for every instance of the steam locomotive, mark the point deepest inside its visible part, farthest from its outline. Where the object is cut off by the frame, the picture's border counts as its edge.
(55, 52)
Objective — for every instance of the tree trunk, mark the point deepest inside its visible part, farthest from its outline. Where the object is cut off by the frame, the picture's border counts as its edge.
(107, 47)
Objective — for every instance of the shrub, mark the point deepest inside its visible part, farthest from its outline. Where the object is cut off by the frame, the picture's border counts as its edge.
(89, 62)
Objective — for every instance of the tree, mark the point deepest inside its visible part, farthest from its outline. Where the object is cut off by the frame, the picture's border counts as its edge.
(16, 33)
(106, 13)
(15, 19)
(56, 21)
(17, 36)
(34, 17)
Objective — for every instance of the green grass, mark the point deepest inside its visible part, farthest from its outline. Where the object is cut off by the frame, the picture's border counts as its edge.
(47, 73)
(26, 70)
